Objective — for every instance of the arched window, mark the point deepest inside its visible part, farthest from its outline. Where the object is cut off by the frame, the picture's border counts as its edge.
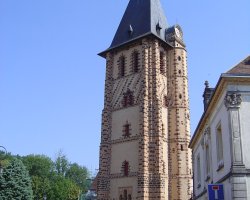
(135, 57)
(122, 66)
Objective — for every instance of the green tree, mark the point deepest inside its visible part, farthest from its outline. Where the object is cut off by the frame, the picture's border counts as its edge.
(63, 189)
(38, 165)
(4, 159)
(61, 164)
(78, 175)
(40, 168)
(41, 187)
(15, 182)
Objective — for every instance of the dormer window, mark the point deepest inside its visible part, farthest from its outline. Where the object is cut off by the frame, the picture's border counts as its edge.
(122, 66)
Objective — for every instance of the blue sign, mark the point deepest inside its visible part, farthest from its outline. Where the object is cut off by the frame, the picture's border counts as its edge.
(215, 192)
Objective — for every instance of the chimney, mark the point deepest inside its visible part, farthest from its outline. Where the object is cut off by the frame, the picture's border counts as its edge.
(208, 92)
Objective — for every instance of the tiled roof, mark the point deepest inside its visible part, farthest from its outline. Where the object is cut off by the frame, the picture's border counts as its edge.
(141, 17)
(242, 68)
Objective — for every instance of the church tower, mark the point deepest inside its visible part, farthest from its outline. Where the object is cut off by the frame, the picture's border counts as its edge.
(145, 121)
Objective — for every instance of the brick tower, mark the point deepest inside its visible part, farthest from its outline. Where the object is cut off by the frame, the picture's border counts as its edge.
(145, 121)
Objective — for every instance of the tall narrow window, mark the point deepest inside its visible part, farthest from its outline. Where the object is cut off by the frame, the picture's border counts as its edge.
(125, 194)
(207, 151)
(125, 168)
(126, 130)
(219, 144)
(198, 171)
(162, 66)
(128, 98)
(135, 61)
(122, 66)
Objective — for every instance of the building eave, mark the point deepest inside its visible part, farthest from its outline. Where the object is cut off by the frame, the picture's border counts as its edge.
(103, 53)
(205, 114)
(222, 82)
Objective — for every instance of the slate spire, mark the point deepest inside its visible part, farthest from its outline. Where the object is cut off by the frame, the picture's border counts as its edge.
(142, 17)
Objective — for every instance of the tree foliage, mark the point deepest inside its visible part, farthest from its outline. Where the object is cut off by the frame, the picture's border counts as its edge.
(58, 180)
(15, 182)
(61, 164)
(38, 165)
(63, 189)
(79, 175)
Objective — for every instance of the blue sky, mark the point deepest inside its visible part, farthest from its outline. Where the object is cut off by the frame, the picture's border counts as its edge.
(52, 81)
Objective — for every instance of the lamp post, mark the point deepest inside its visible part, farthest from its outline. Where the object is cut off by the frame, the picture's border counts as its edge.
(3, 153)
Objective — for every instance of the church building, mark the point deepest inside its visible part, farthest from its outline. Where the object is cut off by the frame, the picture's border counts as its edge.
(145, 134)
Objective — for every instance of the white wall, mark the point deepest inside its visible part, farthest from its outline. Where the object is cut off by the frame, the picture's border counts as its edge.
(220, 117)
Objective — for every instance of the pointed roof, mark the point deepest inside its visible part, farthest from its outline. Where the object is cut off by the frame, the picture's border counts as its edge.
(142, 17)
(242, 68)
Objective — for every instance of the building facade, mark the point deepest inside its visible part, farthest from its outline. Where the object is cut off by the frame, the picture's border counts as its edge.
(221, 142)
(145, 134)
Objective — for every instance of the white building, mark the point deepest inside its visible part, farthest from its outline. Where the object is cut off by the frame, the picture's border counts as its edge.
(221, 142)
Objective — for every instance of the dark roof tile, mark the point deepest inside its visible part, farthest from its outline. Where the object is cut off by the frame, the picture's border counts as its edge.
(140, 18)
(242, 68)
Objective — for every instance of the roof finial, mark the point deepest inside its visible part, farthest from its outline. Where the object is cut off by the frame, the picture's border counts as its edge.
(130, 31)
(206, 84)
(158, 27)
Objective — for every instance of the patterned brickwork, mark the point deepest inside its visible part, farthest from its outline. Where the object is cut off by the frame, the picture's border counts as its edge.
(105, 146)
(163, 167)
(179, 127)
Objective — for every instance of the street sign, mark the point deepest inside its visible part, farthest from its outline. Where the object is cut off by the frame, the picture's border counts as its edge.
(215, 192)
